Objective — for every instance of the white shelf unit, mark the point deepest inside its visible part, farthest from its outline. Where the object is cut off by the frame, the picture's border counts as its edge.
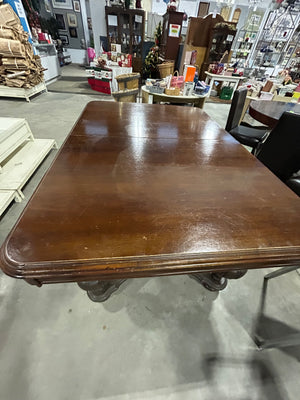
(6, 91)
(6, 197)
(20, 155)
(49, 60)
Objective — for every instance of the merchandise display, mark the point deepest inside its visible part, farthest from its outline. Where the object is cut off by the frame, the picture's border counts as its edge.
(103, 71)
(125, 27)
(19, 67)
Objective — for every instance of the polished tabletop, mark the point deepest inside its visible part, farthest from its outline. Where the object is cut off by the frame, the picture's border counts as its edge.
(268, 112)
(143, 190)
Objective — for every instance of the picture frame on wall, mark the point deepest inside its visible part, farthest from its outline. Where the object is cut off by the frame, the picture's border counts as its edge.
(73, 32)
(291, 50)
(60, 22)
(64, 39)
(47, 6)
(66, 4)
(72, 20)
(76, 5)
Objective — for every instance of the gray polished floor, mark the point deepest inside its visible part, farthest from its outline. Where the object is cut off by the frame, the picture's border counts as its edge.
(159, 338)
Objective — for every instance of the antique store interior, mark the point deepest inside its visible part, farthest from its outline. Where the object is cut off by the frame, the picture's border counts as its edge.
(163, 337)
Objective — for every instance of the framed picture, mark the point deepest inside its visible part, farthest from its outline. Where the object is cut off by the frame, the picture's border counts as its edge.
(76, 4)
(290, 50)
(60, 21)
(66, 4)
(73, 32)
(64, 39)
(47, 6)
(72, 20)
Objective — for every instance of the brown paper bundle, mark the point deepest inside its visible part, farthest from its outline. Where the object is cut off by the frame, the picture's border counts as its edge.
(16, 63)
(8, 16)
(6, 33)
(11, 48)
(14, 82)
(17, 74)
(17, 71)
(28, 51)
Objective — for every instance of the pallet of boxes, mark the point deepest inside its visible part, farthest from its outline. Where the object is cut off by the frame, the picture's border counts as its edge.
(21, 72)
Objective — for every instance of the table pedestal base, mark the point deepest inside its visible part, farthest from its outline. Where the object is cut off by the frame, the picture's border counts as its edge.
(216, 281)
(100, 291)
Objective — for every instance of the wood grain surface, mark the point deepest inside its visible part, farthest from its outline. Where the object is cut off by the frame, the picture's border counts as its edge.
(145, 190)
(268, 112)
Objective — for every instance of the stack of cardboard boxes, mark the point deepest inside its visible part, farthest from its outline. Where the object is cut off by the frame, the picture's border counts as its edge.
(19, 67)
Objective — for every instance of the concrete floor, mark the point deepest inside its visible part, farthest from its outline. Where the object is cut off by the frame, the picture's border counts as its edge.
(158, 338)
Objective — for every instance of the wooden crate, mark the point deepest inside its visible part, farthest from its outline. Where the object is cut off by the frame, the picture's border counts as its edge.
(128, 81)
(126, 96)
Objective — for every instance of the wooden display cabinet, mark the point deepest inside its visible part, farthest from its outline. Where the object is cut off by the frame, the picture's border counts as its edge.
(126, 27)
(221, 40)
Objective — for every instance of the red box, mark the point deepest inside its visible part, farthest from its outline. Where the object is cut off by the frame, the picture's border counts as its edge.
(102, 86)
(99, 85)
(91, 82)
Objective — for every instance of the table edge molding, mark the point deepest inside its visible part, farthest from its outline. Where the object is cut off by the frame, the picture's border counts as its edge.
(145, 266)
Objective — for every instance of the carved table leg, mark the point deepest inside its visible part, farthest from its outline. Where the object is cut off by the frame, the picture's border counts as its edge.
(216, 281)
(100, 291)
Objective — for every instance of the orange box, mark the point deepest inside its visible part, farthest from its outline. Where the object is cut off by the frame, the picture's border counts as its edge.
(189, 73)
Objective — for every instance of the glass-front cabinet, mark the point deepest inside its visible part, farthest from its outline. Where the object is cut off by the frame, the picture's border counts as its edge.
(126, 27)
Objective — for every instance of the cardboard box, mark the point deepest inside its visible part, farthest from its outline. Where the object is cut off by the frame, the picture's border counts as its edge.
(8, 16)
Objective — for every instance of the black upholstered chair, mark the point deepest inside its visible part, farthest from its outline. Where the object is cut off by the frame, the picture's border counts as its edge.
(294, 184)
(281, 154)
(243, 133)
(281, 150)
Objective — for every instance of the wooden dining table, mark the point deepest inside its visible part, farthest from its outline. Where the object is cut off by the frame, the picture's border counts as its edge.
(142, 190)
(268, 112)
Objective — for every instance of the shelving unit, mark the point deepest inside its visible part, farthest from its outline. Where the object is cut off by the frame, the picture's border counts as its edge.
(126, 27)
(246, 38)
(20, 155)
(49, 60)
(292, 55)
(6, 91)
(272, 45)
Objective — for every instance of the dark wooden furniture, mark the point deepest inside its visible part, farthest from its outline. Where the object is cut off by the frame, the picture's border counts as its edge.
(142, 190)
(170, 44)
(129, 32)
(269, 112)
(198, 37)
(220, 42)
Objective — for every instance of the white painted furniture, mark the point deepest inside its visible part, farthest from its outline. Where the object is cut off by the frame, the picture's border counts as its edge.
(20, 155)
(49, 60)
(195, 99)
(6, 197)
(211, 78)
(6, 91)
